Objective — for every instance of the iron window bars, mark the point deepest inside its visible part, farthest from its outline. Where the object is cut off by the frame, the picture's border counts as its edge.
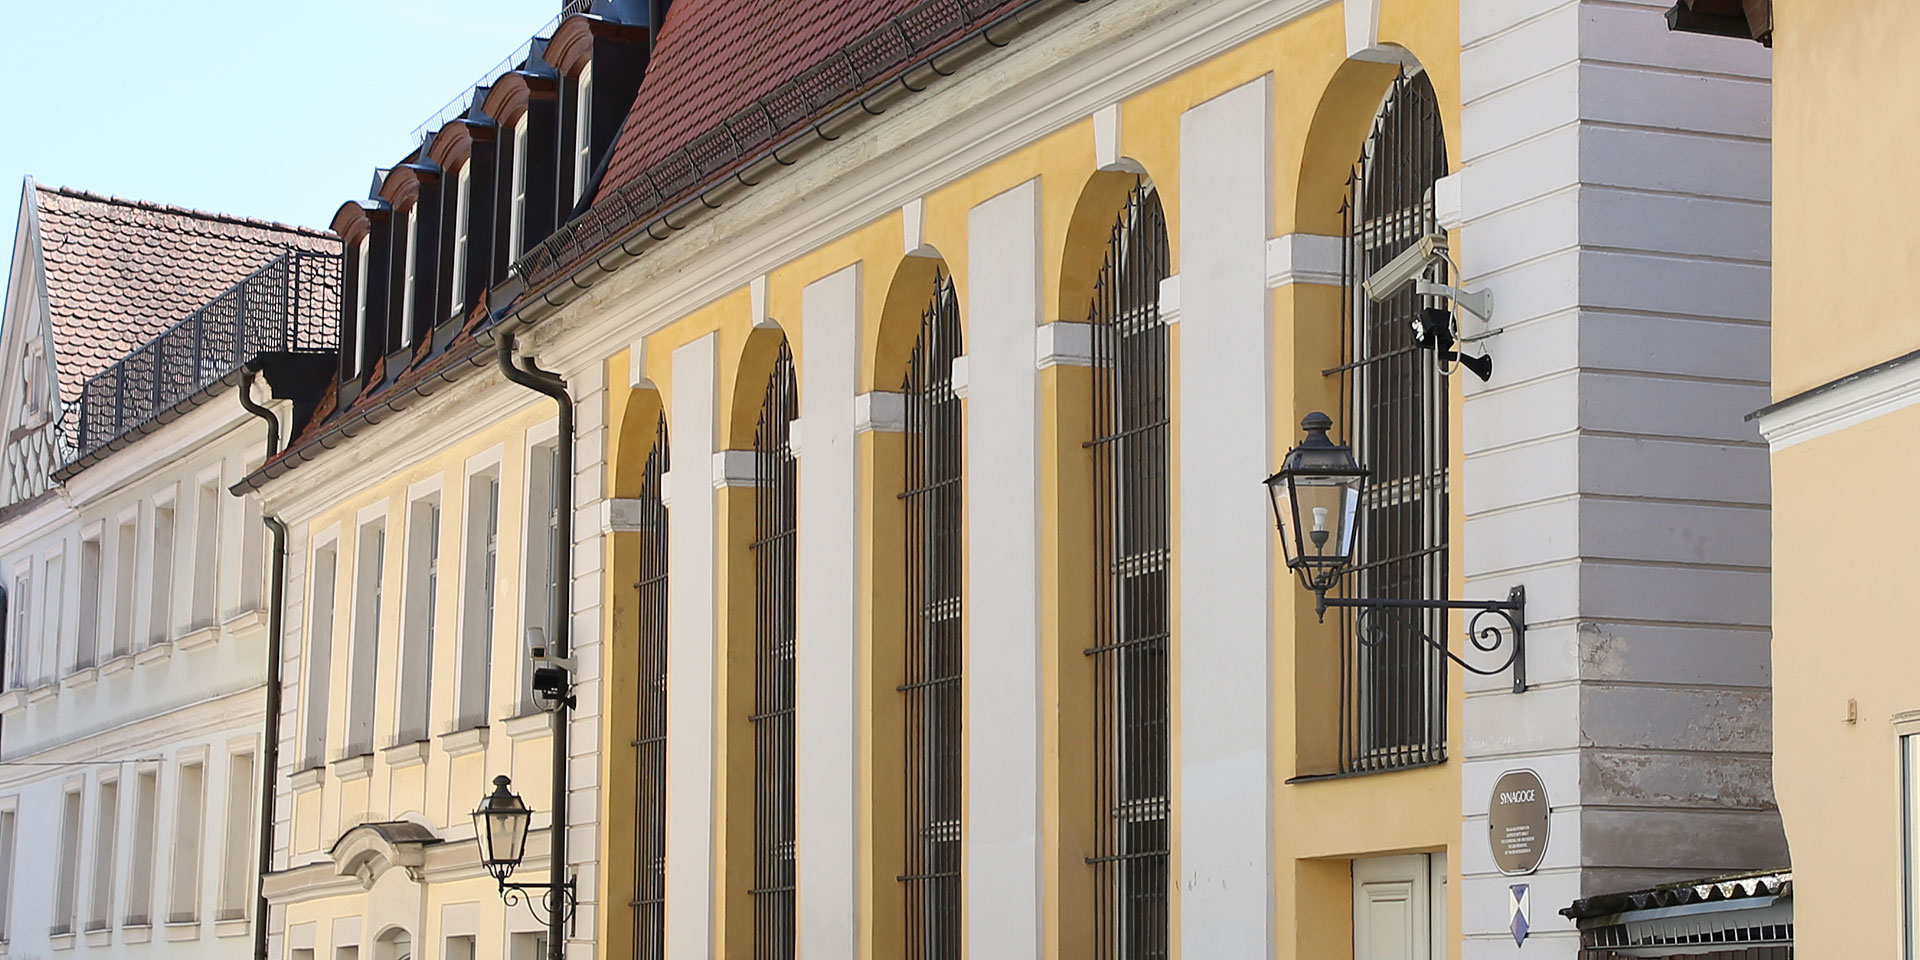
(933, 634)
(773, 694)
(1132, 552)
(1393, 703)
(650, 712)
(288, 305)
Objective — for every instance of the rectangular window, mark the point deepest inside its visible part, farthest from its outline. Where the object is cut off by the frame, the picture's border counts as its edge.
(364, 254)
(160, 617)
(106, 848)
(53, 610)
(6, 875)
(528, 946)
(319, 666)
(17, 632)
(463, 194)
(476, 628)
(582, 131)
(189, 822)
(1910, 836)
(460, 948)
(368, 575)
(406, 289)
(87, 652)
(543, 518)
(517, 209)
(236, 867)
(146, 819)
(67, 871)
(206, 554)
(415, 704)
(125, 549)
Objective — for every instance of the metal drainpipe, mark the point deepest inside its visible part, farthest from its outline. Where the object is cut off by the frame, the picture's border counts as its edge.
(559, 620)
(270, 751)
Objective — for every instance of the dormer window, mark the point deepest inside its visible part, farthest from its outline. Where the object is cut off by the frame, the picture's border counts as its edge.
(582, 131)
(30, 383)
(517, 211)
(364, 255)
(413, 258)
(462, 202)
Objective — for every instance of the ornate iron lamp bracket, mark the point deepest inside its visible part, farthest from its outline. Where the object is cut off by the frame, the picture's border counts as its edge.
(542, 907)
(1486, 637)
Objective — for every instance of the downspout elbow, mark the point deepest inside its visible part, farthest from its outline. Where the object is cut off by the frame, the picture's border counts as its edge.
(270, 748)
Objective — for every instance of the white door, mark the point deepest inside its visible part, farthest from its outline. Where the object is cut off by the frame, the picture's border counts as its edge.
(1400, 908)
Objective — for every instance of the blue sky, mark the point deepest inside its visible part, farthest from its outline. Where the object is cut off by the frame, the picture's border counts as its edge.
(278, 109)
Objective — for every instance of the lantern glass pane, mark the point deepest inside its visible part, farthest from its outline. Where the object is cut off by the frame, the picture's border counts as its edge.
(1323, 510)
(508, 835)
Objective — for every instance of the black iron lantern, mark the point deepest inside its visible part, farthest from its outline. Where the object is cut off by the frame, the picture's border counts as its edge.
(1316, 504)
(500, 822)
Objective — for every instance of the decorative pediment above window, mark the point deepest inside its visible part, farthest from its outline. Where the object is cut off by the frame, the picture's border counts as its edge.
(369, 850)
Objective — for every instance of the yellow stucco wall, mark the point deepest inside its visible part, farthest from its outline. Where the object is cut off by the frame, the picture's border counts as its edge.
(1323, 108)
(1845, 80)
(1843, 188)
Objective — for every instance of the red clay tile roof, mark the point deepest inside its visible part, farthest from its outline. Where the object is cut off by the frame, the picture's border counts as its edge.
(718, 56)
(121, 271)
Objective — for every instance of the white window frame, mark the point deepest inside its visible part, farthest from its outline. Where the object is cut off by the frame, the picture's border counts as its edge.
(65, 918)
(9, 850)
(480, 590)
(540, 503)
(419, 612)
(1906, 728)
(106, 852)
(126, 567)
(462, 216)
(143, 836)
(204, 604)
(188, 863)
(323, 604)
(53, 606)
(93, 560)
(407, 288)
(236, 856)
(19, 624)
(517, 206)
(369, 600)
(582, 131)
(364, 246)
(163, 556)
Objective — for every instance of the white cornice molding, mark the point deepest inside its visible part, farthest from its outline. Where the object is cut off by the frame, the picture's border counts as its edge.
(735, 468)
(1170, 300)
(1303, 258)
(142, 738)
(1865, 396)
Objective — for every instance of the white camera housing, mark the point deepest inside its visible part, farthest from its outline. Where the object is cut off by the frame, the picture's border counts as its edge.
(540, 653)
(1411, 262)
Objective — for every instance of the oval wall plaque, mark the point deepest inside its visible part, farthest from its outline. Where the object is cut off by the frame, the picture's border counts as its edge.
(1517, 822)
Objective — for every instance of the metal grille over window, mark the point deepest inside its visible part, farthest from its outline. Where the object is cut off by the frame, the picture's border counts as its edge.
(650, 720)
(773, 641)
(1131, 547)
(932, 687)
(1393, 684)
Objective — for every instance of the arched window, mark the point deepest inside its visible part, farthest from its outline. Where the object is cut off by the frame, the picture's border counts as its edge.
(1132, 548)
(1393, 697)
(933, 638)
(773, 643)
(650, 713)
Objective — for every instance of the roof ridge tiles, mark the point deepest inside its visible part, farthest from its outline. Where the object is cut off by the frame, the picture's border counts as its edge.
(176, 210)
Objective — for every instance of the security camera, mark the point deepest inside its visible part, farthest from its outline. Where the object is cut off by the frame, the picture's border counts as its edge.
(1411, 262)
(539, 652)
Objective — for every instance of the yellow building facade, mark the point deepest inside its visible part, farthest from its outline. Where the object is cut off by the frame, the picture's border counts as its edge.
(926, 598)
(1843, 356)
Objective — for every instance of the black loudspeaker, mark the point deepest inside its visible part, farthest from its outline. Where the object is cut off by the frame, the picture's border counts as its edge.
(1433, 330)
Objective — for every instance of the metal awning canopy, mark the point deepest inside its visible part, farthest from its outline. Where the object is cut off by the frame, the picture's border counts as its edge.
(1746, 19)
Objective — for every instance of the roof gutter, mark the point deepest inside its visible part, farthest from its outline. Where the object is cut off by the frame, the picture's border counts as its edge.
(539, 302)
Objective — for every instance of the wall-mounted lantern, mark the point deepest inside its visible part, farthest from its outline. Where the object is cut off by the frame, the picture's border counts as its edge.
(1316, 497)
(500, 823)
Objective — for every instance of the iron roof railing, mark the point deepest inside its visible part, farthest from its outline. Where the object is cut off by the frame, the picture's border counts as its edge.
(289, 305)
(457, 107)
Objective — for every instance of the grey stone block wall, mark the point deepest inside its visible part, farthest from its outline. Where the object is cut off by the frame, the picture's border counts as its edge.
(1614, 197)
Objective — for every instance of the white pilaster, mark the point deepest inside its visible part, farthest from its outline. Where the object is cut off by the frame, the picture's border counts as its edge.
(1225, 883)
(691, 651)
(827, 700)
(1002, 866)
